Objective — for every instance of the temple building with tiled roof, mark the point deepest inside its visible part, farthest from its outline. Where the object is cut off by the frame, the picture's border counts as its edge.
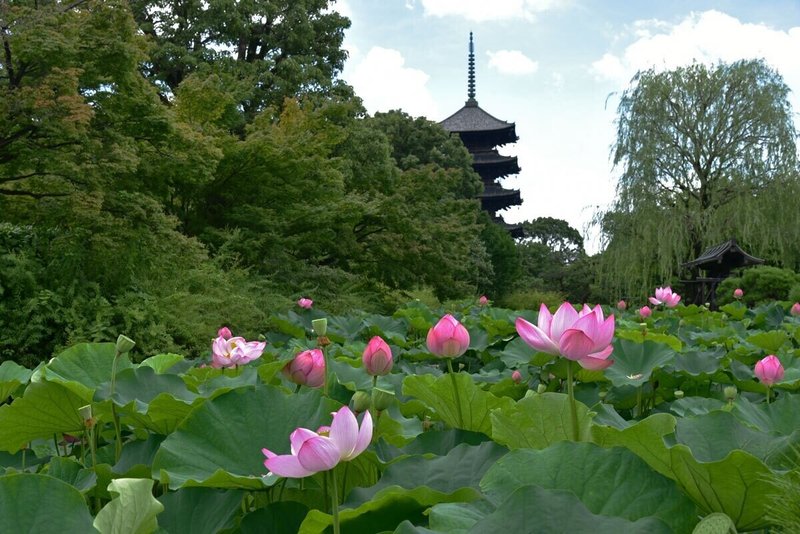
(482, 133)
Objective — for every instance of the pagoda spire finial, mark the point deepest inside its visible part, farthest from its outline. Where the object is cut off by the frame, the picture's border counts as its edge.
(471, 71)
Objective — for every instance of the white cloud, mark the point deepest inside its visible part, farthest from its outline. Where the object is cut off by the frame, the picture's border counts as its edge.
(707, 37)
(342, 7)
(511, 62)
(481, 10)
(383, 81)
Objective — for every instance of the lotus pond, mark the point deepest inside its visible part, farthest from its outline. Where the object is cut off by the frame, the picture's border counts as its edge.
(677, 435)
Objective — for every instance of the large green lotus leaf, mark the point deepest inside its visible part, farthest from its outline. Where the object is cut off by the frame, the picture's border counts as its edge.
(515, 354)
(695, 406)
(739, 485)
(645, 439)
(533, 510)
(770, 341)
(221, 382)
(537, 421)
(353, 378)
(698, 362)
(715, 524)
(438, 394)
(141, 385)
(635, 362)
(393, 427)
(436, 473)
(390, 329)
(199, 510)
(712, 436)
(163, 414)
(781, 416)
(436, 442)
(132, 510)
(47, 408)
(639, 336)
(73, 473)
(137, 456)
(219, 444)
(12, 376)
(83, 367)
(282, 517)
(587, 470)
(40, 503)
(456, 517)
(735, 310)
(161, 363)
(267, 371)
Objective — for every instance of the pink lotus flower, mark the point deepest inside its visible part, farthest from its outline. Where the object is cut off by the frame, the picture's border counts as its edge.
(483, 301)
(584, 337)
(312, 452)
(448, 338)
(769, 370)
(516, 376)
(795, 310)
(307, 368)
(664, 295)
(305, 303)
(224, 333)
(738, 293)
(622, 305)
(377, 357)
(234, 351)
(645, 312)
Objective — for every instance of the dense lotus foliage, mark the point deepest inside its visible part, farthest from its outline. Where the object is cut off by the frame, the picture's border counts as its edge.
(682, 431)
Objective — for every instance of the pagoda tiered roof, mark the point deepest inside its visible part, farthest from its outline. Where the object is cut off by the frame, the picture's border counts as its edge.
(473, 124)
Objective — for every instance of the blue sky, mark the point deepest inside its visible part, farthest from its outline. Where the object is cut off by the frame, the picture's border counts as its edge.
(555, 68)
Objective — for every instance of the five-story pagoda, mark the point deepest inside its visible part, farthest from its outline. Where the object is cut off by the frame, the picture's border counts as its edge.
(482, 133)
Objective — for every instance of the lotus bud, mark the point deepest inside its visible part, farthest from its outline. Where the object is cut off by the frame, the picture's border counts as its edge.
(541, 388)
(738, 293)
(224, 333)
(730, 393)
(795, 310)
(516, 376)
(320, 326)
(483, 301)
(622, 305)
(678, 394)
(307, 368)
(124, 344)
(305, 303)
(645, 312)
(360, 401)
(377, 357)
(448, 338)
(382, 399)
(769, 370)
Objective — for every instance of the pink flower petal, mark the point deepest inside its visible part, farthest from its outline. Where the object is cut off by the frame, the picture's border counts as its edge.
(364, 436)
(654, 301)
(535, 337)
(286, 465)
(545, 319)
(300, 436)
(604, 333)
(318, 454)
(564, 318)
(344, 432)
(575, 344)
(595, 364)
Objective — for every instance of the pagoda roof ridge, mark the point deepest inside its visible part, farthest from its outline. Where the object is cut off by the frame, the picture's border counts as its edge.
(473, 118)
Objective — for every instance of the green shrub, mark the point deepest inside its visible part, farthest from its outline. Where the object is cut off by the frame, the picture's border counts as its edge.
(760, 284)
(530, 299)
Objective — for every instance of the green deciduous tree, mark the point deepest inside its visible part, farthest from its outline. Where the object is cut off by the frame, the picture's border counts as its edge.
(706, 153)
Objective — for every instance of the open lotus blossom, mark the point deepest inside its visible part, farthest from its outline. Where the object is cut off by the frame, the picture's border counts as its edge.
(234, 351)
(312, 452)
(305, 303)
(664, 295)
(622, 305)
(583, 336)
(307, 368)
(795, 310)
(738, 293)
(645, 312)
(377, 357)
(448, 338)
(769, 370)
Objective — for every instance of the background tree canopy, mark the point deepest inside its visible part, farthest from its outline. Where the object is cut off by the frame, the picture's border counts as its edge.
(706, 154)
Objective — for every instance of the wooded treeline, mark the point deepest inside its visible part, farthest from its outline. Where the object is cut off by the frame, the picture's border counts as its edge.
(170, 166)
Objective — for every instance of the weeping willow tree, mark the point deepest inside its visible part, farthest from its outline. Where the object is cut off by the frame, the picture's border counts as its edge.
(706, 154)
